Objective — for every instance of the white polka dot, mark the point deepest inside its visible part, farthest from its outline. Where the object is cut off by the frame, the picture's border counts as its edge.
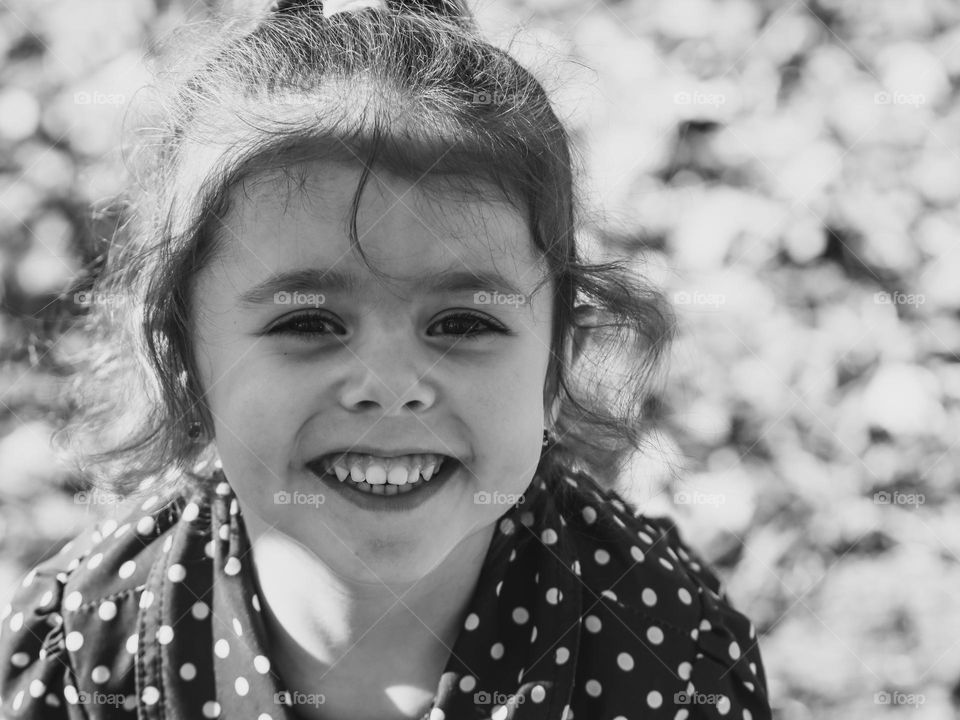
(224, 532)
(636, 553)
(747, 715)
(127, 569)
(646, 538)
(176, 572)
(241, 685)
(146, 599)
(211, 709)
(132, 644)
(609, 594)
(46, 598)
(589, 515)
(191, 512)
(520, 615)
(655, 635)
(237, 629)
(683, 670)
(472, 622)
(208, 549)
(146, 525)
(533, 635)
(496, 590)
(69, 692)
(100, 674)
(232, 567)
(222, 648)
(705, 625)
(264, 716)
(500, 713)
(234, 507)
(496, 651)
(567, 713)
(255, 601)
(723, 705)
(625, 661)
(593, 688)
(601, 557)
(654, 699)
(94, 561)
(681, 715)
(576, 567)
(74, 641)
(150, 695)
(437, 714)
(549, 536)
(72, 601)
(130, 703)
(507, 526)
(554, 596)
(734, 650)
(537, 694)
(649, 597)
(593, 623)
(223, 488)
(684, 595)
(149, 502)
(20, 659)
(164, 634)
(188, 671)
(562, 655)
(261, 664)
(37, 688)
(200, 610)
(468, 683)
(666, 563)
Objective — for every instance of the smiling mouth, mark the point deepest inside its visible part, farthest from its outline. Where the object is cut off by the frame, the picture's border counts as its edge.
(376, 476)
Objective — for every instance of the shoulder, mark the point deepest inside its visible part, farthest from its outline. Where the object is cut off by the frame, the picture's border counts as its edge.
(667, 603)
(81, 605)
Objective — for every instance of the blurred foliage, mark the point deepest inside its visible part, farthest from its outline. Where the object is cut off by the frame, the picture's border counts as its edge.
(787, 171)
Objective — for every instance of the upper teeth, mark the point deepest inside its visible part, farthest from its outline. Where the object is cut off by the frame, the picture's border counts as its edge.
(377, 471)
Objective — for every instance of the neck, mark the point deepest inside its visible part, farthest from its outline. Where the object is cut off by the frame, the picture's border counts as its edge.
(326, 630)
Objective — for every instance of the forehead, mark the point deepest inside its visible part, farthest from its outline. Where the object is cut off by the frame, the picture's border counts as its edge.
(301, 215)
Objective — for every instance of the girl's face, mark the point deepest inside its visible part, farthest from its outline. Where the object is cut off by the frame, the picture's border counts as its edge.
(418, 361)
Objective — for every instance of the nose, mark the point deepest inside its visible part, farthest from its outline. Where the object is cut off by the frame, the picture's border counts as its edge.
(383, 375)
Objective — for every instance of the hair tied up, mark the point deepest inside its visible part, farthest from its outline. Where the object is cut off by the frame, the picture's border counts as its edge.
(452, 9)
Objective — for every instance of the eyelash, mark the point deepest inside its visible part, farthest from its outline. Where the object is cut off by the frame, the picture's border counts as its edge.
(287, 328)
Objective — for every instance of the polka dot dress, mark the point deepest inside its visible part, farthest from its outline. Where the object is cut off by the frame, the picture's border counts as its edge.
(583, 609)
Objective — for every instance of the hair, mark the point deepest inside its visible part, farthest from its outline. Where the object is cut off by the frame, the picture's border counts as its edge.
(411, 89)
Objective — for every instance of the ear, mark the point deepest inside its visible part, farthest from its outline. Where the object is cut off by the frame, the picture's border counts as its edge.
(573, 348)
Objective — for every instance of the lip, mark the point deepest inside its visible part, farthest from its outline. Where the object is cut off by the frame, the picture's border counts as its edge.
(388, 503)
(380, 452)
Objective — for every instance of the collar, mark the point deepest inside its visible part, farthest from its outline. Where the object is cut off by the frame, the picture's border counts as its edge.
(528, 596)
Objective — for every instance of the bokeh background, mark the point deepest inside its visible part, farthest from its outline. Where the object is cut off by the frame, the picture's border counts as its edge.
(787, 171)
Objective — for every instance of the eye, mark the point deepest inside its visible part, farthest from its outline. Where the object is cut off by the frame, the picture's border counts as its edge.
(305, 324)
(472, 326)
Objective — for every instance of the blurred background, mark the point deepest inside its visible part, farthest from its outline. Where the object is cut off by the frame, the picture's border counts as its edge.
(788, 172)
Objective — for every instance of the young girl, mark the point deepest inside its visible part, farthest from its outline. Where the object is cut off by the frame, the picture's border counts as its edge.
(373, 475)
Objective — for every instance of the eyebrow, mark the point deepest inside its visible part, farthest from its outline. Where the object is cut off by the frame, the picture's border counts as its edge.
(332, 281)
